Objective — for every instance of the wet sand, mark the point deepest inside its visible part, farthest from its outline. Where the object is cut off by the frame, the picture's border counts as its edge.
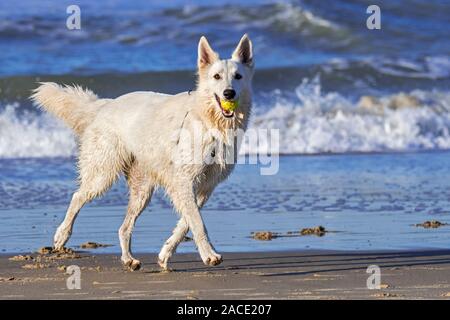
(352, 196)
(276, 275)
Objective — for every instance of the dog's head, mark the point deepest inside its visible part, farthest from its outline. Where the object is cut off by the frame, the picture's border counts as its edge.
(226, 83)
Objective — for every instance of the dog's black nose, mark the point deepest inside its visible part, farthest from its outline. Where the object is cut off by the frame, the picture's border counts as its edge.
(229, 94)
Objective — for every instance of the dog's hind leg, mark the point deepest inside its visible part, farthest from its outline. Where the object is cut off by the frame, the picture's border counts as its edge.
(99, 165)
(64, 230)
(141, 189)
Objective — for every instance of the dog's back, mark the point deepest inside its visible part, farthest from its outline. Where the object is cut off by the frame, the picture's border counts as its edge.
(79, 107)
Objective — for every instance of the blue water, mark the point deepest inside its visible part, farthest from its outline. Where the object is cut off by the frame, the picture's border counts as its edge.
(317, 65)
(132, 36)
(367, 201)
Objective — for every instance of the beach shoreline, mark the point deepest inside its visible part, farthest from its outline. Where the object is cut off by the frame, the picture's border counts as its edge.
(307, 274)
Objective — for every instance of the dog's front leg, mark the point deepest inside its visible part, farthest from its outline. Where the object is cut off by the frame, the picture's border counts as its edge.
(184, 200)
(171, 244)
(180, 231)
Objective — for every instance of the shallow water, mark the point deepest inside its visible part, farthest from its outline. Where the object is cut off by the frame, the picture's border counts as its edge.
(369, 201)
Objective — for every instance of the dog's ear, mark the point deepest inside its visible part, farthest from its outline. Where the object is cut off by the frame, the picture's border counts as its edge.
(244, 51)
(206, 55)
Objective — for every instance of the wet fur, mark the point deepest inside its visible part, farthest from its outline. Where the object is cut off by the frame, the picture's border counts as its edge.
(139, 135)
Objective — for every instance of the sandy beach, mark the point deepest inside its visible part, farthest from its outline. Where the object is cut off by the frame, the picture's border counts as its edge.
(276, 275)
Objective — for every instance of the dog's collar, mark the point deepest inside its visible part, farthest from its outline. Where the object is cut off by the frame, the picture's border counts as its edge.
(182, 125)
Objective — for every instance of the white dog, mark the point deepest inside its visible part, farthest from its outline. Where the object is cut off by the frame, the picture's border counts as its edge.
(140, 135)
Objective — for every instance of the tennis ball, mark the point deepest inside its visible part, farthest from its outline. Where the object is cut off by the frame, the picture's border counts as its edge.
(229, 105)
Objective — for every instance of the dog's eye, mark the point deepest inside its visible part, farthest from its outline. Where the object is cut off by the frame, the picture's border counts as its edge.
(217, 76)
(238, 76)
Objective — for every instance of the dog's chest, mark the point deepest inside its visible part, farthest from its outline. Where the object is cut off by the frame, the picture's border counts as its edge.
(206, 155)
(218, 160)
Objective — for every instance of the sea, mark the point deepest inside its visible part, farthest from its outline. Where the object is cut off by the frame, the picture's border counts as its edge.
(363, 117)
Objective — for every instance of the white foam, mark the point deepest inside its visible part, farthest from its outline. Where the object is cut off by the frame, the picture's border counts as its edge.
(298, 16)
(432, 67)
(320, 123)
(32, 135)
(314, 122)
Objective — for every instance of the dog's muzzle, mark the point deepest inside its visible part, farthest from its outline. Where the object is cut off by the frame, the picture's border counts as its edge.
(227, 106)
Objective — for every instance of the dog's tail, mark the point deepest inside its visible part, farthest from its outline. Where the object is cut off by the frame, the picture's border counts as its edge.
(73, 104)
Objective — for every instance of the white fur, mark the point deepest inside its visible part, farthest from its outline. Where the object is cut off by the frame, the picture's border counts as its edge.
(140, 135)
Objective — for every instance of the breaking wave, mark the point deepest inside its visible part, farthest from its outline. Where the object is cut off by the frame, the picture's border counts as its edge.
(32, 135)
(309, 121)
(331, 123)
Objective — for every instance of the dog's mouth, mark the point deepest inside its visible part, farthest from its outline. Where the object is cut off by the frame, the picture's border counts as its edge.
(225, 113)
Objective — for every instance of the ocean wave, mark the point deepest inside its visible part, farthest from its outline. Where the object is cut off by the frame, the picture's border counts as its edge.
(311, 122)
(331, 123)
(153, 36)
(338, 74)
(432, 67)
(285, 16)
(31, 135)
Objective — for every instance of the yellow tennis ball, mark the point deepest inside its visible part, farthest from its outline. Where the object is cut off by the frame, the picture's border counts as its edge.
(229, 105)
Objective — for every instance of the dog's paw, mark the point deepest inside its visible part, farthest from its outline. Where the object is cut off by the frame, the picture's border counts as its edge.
(132, 264)
(60, 239)
(213, 259)
(163, 265)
